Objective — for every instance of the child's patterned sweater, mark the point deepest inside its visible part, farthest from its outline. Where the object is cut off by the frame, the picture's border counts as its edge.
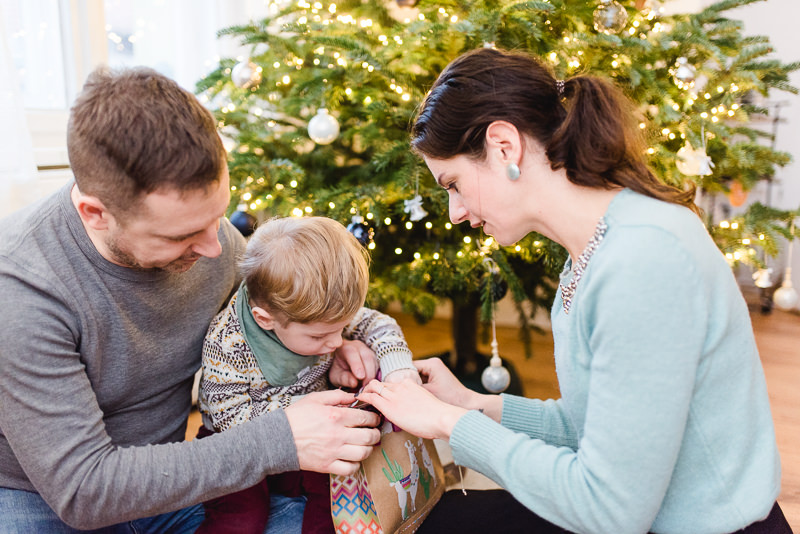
(233, 389)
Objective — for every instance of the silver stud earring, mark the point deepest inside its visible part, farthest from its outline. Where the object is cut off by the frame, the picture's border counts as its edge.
(512, 170)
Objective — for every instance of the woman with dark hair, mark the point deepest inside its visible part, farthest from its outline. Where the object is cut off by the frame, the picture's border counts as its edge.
(664, 423)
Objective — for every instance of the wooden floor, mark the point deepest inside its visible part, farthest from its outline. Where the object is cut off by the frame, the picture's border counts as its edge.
(778, 338)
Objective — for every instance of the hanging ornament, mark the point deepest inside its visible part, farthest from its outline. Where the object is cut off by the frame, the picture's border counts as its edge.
(361, 230)
(762, 278)
(786, 296)
(497, 285)
(737, 195)
(494, 378)
(610, 17)
(244, 221)
(693, 162)
(246, 74)
(684, 74)
(414, 206)
(323, 127)
(414, 209)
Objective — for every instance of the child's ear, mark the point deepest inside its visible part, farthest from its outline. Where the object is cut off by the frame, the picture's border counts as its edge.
(263, 318)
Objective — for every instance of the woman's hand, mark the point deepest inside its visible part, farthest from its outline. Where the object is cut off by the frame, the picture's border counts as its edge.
(440, 381)
(413, 408)
(395, 377)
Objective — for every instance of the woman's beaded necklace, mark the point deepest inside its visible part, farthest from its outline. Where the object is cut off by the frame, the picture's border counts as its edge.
(568, 291)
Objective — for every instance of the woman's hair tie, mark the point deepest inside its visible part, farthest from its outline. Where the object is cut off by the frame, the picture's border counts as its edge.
(560, 87)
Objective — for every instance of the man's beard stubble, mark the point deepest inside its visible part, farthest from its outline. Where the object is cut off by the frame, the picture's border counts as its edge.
(126, 259)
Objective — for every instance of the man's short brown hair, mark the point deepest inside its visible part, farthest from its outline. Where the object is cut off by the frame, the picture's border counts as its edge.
(134, 131)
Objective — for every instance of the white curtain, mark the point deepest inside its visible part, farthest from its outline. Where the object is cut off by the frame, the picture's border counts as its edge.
(18, 175)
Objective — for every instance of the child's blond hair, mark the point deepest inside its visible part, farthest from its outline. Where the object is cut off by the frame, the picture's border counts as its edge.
(305, 270)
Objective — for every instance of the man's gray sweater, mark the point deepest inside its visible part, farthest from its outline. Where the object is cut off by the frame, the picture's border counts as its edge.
(96, 369)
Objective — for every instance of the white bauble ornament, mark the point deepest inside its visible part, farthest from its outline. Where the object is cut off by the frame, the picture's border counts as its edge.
(495, 378)
(246, 74)
(684, 74)
(323, 128)
(610, 17)
(786, 296)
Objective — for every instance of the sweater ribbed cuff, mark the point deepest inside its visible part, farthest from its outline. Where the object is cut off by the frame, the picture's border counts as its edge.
(522, 415)
(394, 361)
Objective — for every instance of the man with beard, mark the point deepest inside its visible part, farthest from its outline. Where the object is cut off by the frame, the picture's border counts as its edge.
(108, 287)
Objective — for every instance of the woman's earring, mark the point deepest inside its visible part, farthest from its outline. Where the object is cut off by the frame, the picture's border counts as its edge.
(512, 170)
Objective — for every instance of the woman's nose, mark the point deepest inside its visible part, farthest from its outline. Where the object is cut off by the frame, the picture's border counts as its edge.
(458, 213)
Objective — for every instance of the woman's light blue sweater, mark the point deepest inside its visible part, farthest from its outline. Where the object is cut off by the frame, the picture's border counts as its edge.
(664, 423)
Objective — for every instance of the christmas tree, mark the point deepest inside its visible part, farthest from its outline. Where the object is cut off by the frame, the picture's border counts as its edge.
(317, 120)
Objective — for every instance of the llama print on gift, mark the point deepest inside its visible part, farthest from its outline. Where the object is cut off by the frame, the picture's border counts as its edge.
(399, 482)
(426, 459)
(414, 475)
(425, 481)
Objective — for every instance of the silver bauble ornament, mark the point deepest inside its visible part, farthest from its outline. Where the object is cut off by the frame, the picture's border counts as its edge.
(323, 128)
(610, 17)
(495, 378)
(246, 74)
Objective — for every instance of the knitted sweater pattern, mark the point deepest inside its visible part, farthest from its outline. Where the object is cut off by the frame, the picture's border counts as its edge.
(233, 389)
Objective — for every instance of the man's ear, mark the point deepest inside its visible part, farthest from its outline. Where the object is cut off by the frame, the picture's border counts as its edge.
(503, 138)
(263, 318)
(92, 211)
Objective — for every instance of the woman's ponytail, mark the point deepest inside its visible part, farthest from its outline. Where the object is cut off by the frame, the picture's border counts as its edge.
(600, 145)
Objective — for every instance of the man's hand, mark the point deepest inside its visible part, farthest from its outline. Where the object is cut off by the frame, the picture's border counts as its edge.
(331, 438)
(354, 363)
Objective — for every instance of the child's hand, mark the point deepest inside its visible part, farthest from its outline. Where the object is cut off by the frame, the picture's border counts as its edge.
(354, 363)
(399, 375)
